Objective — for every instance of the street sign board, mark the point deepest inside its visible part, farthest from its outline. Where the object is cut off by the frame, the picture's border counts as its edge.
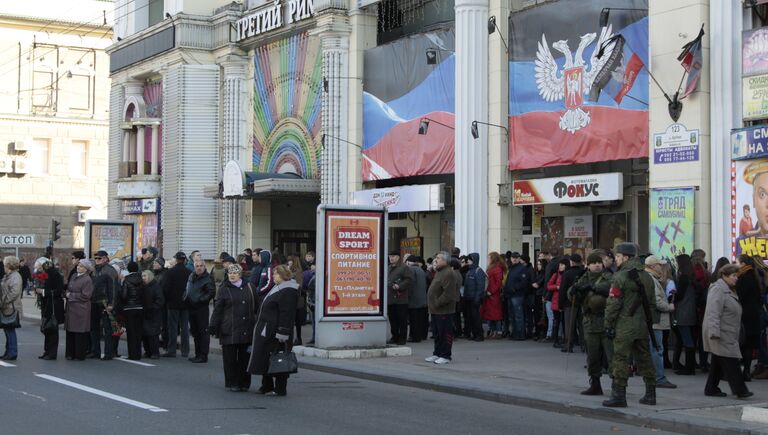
(17, 239)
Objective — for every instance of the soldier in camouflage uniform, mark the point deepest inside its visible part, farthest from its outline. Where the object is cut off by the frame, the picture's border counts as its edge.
(591, 291)
(625, 321)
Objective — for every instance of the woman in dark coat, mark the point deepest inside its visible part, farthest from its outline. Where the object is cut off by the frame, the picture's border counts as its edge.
(232, 322)
(151, 325)
(78, 317)
(685, 316)
(51, 304)
(274, 329)
(748, 289)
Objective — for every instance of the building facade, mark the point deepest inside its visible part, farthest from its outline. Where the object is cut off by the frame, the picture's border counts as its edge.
(471, 120)
(54, 108)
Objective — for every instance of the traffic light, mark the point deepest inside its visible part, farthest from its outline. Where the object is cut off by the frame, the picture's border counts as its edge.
(55, 230)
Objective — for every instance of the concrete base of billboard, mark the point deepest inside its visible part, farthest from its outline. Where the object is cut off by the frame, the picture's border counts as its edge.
(361, 353)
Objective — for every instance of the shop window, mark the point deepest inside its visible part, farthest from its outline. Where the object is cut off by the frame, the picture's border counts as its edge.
(78, 159)
(39, 157)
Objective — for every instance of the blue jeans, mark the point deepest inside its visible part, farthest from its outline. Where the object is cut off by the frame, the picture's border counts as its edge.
(516, 310)
(658, 356)
(11, 345)
(550, 318)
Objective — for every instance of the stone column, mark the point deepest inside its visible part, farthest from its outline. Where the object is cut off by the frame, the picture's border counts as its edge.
(140, 150)
(153, 157)
(126, 146)
(502, 234)
(333, 29)
(471, 105)
(235, 144)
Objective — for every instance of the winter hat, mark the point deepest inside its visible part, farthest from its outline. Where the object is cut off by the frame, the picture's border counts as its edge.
(160, 261)
(594, 258)
(87, 264)
(626, 249)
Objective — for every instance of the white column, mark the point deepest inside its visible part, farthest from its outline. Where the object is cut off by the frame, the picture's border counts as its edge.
(153, 157)
(334, 30)
(140, 151)
(234, 148)
(726, 23)
(471, 156)
(126, 145)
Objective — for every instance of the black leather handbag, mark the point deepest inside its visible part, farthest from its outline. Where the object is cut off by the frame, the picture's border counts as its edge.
(282, 362)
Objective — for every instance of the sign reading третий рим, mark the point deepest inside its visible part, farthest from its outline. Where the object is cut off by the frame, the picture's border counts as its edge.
(273, 16)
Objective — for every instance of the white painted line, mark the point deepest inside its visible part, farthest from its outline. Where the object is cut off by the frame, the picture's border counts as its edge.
(5, 364)
(101, 393)
(138, 363)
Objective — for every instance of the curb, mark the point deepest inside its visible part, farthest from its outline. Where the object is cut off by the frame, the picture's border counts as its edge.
(661, 422)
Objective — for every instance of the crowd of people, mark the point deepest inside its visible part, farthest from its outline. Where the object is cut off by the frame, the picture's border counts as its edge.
(630, 314)
(259, 305)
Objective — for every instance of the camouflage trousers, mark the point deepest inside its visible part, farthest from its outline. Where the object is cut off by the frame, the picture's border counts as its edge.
(640, 348)
(597, 346)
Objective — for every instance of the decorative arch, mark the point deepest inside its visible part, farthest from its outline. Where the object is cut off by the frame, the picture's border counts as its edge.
(134, 104)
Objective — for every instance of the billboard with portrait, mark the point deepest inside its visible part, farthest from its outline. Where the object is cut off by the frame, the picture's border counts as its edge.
(750, 207)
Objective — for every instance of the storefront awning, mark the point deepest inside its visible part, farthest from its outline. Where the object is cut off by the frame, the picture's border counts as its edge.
(259, 185)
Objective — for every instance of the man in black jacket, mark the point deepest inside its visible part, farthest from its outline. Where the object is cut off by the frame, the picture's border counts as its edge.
(570, 276)
(178, 316)
(104, 283)
(199, 292)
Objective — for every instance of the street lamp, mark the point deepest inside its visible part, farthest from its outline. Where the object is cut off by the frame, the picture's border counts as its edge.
(476, 133)
(492, 26)
(322, 140)
(424, 125)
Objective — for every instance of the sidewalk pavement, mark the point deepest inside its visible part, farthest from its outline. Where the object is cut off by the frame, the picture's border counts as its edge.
(538, 376)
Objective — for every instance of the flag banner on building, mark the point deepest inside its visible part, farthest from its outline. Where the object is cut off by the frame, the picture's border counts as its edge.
(671, 221)
(619, 72)
(750, 207)
(691, 60)
(552, 66)
(406, 82)
(287, 102)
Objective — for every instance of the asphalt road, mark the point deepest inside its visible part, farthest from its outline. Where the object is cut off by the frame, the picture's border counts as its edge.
(173, 396)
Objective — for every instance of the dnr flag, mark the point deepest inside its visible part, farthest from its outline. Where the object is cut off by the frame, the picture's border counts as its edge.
(618, 73)
(691, 60)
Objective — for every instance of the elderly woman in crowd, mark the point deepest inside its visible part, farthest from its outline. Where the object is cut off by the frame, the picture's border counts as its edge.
(722, 322)
(78, 316)
(51, 301)
(274, 329)
(10, 305)
(232, 322)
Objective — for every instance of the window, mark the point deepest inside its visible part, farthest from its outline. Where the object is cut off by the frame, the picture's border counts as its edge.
(79, 91)
(42, 88)
(39, 157)
(78, 159)
(155, 12)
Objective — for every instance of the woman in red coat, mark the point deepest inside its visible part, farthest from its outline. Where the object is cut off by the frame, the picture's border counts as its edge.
(491, 309)
(553, 297)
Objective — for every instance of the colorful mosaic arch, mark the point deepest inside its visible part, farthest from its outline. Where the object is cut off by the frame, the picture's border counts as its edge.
(287, 105)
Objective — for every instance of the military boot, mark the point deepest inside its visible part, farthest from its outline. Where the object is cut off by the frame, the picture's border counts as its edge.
(618, 397)
(650, 395)
(594, 387)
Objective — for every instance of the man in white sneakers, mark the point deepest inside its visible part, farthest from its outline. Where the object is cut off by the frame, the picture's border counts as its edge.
(441, 300)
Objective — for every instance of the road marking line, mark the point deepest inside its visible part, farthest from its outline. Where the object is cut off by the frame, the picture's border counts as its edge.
(5, 364)
(139, 363)
(101, 393)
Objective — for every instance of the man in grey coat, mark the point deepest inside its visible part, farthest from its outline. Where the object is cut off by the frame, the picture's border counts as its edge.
(417, 301)
(399, 285)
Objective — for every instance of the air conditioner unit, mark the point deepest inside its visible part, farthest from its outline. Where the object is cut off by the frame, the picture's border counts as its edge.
(6, 165)
(82, 216)
(18, 146)
(20, 165)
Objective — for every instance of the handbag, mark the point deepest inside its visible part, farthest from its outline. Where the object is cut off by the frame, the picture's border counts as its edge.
(49, 324)
(10, 320)
(282, 362)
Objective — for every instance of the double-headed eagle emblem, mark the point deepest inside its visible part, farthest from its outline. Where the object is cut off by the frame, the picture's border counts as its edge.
(575, 80)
